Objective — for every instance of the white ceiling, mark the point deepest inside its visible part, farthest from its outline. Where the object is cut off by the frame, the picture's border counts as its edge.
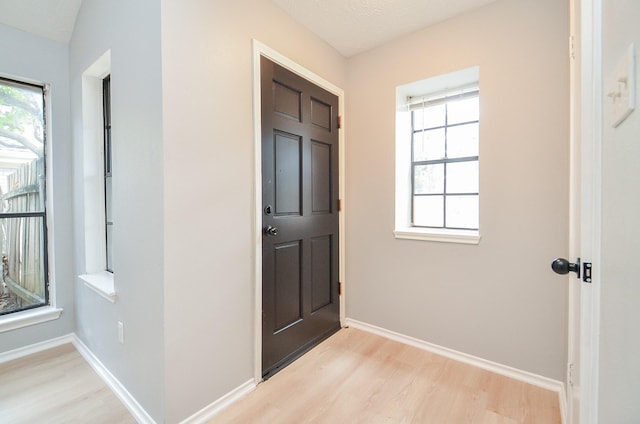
(52, 19)
(354, 26)
(350, 26)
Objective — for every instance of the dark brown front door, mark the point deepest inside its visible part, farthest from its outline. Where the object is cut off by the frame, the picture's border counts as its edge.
(300, 303)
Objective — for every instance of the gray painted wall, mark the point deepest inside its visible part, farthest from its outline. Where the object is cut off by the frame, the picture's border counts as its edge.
(498, 300)
(32, 57)
(209, 186)
(620, 291)
(131, 30)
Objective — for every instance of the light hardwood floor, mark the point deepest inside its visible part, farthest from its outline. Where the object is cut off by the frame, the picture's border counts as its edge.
(352, 377)
(57, 386)
(357, 377)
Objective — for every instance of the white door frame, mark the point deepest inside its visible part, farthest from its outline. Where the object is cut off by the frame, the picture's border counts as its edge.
(591, 203)
(572, 381)
(260, 49)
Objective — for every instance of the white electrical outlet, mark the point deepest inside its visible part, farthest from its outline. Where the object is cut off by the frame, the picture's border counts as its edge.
(121, 332)
(622, 87)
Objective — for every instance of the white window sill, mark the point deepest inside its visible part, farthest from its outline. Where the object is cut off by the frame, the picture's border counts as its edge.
(101, 283)
(431, 234)
(27, 318)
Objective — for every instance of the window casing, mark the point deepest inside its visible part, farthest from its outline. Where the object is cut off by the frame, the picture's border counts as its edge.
(23, 216)
(437, 194)
(97, 196)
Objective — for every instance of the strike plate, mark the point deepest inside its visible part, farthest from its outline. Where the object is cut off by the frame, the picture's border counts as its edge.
(586, 272)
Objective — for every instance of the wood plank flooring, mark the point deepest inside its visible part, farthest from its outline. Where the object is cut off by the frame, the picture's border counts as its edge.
(352, 377)
(57, 386)
(357, 377)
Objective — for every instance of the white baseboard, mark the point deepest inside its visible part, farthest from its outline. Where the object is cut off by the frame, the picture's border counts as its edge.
(18, 353)
(507, 371)
(114, 384)
(208, 412)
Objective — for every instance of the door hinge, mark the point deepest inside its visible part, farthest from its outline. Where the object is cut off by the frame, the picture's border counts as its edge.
(339, 205)
(339, 289)
(570, 373)
(586, 272)
(339, 121)
(572, 47)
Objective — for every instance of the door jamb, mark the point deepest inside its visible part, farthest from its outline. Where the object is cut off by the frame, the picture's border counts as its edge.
(575, 56)
(260, 49)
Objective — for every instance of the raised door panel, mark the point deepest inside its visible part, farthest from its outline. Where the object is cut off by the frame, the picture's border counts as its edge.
(287, 284)
(321, 270)
(288, 174)
(320, 177)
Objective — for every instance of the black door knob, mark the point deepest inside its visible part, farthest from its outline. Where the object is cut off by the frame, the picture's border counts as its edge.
(563, 266)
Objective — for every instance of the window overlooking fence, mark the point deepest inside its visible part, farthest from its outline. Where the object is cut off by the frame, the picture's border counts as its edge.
(23, 235)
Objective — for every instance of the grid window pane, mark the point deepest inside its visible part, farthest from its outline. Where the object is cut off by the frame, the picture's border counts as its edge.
(463, 212)
(462, 177)
(428, 145)
(429, 117)
(109, 248)
(23, 267)
(445, 164)
(462, 141)
(428, 179)
(108, 201)
(21, 148)
(463, 110)
(428, 211)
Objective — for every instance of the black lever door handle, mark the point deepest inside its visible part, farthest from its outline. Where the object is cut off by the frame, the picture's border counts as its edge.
(563, 266)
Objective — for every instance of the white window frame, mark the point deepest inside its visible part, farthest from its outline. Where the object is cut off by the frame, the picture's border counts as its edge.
(96, 277)
(403, 201)
(48, 312)
(107, 170)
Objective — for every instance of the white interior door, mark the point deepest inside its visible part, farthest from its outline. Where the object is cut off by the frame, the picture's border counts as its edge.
(590, 230)
(586, 121)
(586, 125)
